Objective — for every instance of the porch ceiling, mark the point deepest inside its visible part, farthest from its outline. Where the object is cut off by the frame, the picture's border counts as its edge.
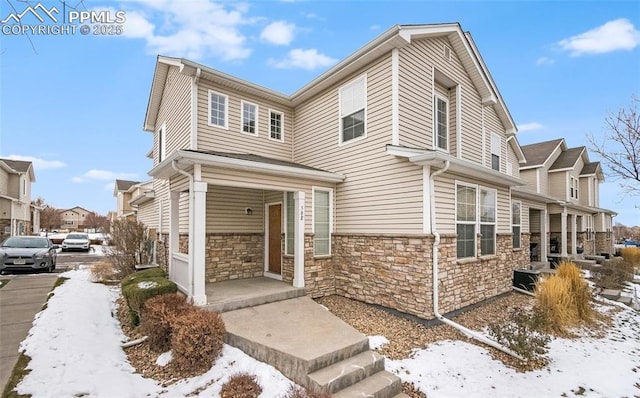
(183, 159)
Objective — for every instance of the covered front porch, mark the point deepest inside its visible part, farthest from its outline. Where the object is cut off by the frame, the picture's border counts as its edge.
(234, 217)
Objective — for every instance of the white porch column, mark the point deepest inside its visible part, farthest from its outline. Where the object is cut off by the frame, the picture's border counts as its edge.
(198, 223)
(544, 239)
(174, 227)
(574, 234)
(563, 234)
(298, 251)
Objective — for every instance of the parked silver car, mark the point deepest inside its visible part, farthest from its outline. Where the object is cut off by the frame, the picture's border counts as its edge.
(76, 241)
(20, 253)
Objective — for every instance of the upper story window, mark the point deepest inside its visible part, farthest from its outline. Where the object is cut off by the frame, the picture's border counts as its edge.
(249, 118)
(24, 186)
(218, 109)
(495, 151)
(353, 104)
(275, 125)
(573, 188)
(441, 122)
(162, 143)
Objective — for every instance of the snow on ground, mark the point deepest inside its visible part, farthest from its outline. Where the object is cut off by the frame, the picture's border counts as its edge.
(74, 347)
(376, 342)
(606, 367)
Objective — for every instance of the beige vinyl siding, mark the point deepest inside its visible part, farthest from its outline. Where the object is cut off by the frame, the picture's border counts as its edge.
(544, 181)
(558, 185)
(214, 138)
(162, 203)
(416, 99)
(4, 182)
(274, 196)
(584, 182)
(266, 182)
(445, 194)
(14, 186)
(512, 159)
(493, 125)
(174, 114)
(148, 215)
(381, 194)
(226, 210)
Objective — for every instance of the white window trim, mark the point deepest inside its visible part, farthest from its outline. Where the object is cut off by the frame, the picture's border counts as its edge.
(162, 143)
(313, 217)
(437, 96)
(340, 115)
(495, 217)
(226, 110)
(242, 104)
(519, 224)
(475, 222)
(281, 139)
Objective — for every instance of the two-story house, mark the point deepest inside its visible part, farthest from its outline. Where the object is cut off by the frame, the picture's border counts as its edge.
(17, 215)
(387, 179)
(567, 183)
(134, 200)
(74, 219)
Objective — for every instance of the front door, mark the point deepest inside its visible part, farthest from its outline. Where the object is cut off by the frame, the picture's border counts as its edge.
(275, 239)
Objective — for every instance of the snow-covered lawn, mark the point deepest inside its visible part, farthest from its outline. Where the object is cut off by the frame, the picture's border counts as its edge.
(75, 349)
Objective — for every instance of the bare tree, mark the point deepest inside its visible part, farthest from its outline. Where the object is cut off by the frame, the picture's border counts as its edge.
(97, 222)
(620, 148)
(50, 217)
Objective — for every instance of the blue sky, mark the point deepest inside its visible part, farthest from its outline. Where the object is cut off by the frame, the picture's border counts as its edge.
(74, 104)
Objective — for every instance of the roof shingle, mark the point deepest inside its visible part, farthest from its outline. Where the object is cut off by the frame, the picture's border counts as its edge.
(537, 154)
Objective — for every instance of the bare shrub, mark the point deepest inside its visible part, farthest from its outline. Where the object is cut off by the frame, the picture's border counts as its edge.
(197, 339)
(521, 334)
(613, 274)
(241, 385)
(296, 391)
(104, 272)
(157, 317)
(128, 248)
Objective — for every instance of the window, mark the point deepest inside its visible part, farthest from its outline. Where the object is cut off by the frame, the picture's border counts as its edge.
(321, 222)
(353, 100)
(516, 208)
(24, 186)
(466, 220)
(589, 227)
(573, 188)
(275, 126)
(289, 230)
(218, 109)
(162, 143)
(441, 110)
(249, 118)
(495, 151)
(488, 221)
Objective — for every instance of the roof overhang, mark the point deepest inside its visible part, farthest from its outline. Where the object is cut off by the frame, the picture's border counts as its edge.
(185, 159)
(9, 198)
(522, 193)
(145, 197)
(437, 159)
(515, 145)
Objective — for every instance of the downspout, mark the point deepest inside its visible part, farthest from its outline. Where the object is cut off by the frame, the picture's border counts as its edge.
(191, 235)
(436, 311)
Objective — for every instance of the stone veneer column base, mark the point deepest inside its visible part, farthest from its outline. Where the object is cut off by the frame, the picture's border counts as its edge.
(234, 256)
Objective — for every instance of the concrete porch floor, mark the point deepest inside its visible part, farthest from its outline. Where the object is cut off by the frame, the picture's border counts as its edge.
(242, 293)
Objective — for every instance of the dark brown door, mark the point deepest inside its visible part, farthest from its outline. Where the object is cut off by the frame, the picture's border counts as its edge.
(275, 238)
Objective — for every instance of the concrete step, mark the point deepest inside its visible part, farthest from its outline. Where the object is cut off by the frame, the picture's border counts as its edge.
(584, 263)
(597, 259)
(380, 385)
(401, 395)
(296, 336)
(235, 295)
(347, 372)
(611, 294)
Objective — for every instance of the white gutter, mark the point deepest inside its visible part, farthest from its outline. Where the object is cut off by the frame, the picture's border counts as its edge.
(192, 287)
(436, 311)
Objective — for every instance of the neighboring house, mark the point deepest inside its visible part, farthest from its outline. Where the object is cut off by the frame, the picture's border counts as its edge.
(74, 219)
(398, 161)
(568, 184)
(17, 215)
(123, 191)
(135, 201)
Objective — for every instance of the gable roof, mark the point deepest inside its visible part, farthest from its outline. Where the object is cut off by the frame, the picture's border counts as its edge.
(567, 158)
(397, 36)
(19, 167)
(593, 168)
(538, 153)
(73, 209)
(123, 185)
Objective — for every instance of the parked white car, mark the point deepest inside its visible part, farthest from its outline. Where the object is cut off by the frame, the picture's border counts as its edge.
(76, 241)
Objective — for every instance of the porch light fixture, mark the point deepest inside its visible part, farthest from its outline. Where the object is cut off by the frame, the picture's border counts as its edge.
(248, 211)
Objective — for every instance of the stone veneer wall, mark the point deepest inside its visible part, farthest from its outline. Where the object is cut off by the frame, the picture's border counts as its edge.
(604, 243)
(522, 257)
(234, 256)
(319, 275)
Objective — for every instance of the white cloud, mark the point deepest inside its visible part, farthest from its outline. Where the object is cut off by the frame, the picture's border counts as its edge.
(530, 126)
(39, 164)
(103, 175)
(303, 59)
(194, 29)
(616, 35)
(279, 33)
(374, 27)
(545, 61)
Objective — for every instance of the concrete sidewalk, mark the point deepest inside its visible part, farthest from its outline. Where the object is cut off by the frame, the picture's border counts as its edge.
(20, 300)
